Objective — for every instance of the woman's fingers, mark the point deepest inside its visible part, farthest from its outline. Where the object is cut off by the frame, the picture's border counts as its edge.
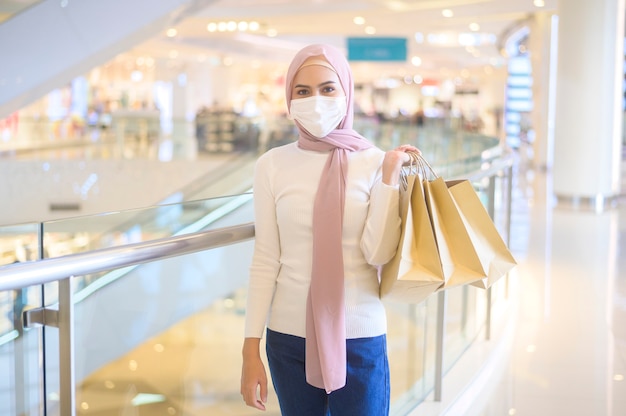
(254, 383)
(251, 398)
(408, 148)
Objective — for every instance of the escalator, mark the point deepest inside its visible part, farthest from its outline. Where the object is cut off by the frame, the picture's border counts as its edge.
(68, 38)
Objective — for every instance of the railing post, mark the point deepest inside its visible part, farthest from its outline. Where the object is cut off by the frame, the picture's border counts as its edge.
(441, 319)
(42, 332)
(509, 203)
(491, 209)
(488, 317)
(21, 375)
(509, 211)
(67, 381)
(491, 196)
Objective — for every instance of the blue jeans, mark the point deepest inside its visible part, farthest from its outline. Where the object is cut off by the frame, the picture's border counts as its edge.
(366, 392)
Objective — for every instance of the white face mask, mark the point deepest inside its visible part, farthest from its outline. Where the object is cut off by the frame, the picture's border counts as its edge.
(319, 115)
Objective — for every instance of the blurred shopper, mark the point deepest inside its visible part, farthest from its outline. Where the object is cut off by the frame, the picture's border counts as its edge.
(314, 274)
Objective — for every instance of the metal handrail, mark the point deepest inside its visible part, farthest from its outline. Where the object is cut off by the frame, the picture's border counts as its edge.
(20, 275)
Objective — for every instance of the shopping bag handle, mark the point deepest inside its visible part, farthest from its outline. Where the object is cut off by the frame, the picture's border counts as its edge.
(418, 166)
(412, 169)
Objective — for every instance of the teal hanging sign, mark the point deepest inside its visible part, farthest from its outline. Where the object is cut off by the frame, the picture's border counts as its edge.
(377, 49)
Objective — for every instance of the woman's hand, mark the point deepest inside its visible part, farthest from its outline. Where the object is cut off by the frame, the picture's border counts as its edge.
(253, 376)
(394, 160)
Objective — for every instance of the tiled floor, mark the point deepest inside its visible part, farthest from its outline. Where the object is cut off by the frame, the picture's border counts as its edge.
(568, 348)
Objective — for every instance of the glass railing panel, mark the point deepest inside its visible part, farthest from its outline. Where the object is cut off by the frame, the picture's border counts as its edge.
(92, 232)
(465, 318)
(467, 306)
(411, 345)
(167, 338)
(18, 243)
(132, 226)
(21, 378)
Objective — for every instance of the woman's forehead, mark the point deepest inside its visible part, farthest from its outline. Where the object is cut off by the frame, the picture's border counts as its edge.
(315, 73)
(317, 60)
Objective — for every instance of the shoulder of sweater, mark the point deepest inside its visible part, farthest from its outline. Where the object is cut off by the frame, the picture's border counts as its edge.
(291, 150)
(373, 154)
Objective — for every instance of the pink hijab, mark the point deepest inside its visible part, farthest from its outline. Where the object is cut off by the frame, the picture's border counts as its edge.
(325, 323)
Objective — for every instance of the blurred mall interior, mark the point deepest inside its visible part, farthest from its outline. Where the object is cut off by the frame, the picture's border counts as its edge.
(129, 132)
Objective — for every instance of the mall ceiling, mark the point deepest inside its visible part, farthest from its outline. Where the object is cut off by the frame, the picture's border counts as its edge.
(441, 33)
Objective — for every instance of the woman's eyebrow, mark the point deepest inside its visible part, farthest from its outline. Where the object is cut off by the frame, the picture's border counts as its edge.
(319, 85)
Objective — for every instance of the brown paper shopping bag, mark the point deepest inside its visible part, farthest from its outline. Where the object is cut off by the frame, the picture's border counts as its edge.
(459, 258)
(415, 271)
(494, 255)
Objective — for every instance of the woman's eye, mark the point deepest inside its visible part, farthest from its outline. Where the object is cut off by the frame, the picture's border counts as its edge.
(302, 92)
(328, 90)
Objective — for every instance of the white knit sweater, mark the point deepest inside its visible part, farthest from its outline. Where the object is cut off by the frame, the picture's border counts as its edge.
(285, 185)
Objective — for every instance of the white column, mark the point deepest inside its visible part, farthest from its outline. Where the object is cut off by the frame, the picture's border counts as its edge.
(588, 111)
(541, 52)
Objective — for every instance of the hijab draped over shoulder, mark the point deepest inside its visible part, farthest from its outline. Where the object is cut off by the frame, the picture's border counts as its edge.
(325, 323)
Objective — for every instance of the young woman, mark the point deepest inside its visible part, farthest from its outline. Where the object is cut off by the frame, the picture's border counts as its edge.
(326, 216)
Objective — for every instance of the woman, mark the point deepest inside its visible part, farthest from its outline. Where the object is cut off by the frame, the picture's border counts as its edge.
(313, 278)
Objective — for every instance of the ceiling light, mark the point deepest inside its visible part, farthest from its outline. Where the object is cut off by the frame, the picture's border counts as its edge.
(539, 3)
(618, 377)
(171, 32)
(231, 26)
(370, 30)
(272, 33)
(418, 79)
(416, 60)
(474, 27)
(447, 13)
(419, 37)
(136, 76)
(359, 20)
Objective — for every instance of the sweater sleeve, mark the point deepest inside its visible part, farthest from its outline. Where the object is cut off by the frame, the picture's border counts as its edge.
(266, 258)
(382, 227)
